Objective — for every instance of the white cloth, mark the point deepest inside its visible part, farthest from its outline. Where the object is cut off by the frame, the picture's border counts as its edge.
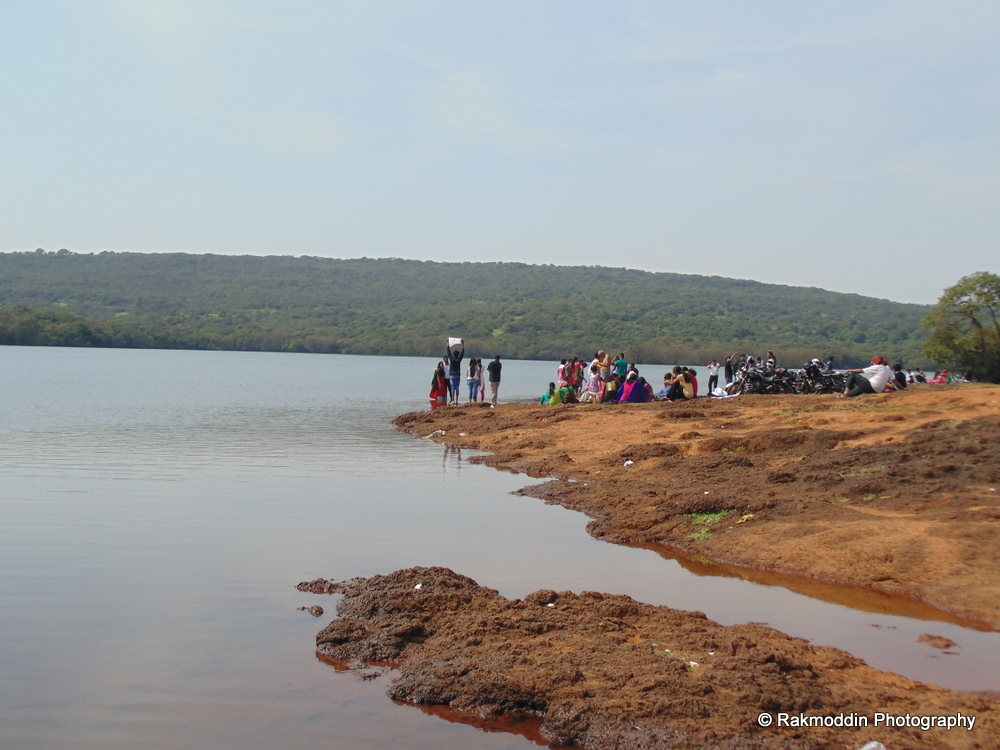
(878, 376)
(454, 342)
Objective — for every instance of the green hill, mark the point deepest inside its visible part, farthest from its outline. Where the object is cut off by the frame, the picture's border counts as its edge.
(406, 307)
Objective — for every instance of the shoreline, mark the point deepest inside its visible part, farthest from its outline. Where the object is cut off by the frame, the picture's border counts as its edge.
(602, 671)
(728, 485)
(894, 494)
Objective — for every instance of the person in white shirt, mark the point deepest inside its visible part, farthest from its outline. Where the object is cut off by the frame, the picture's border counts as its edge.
(713, 376)
(871, 379)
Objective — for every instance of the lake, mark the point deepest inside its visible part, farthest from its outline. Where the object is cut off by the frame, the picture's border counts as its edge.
(160, 506)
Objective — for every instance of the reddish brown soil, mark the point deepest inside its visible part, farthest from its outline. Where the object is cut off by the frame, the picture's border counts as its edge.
(898, 492)
(606, 671)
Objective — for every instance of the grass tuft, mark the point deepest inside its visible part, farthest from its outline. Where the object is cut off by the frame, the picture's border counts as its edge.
(706, 521)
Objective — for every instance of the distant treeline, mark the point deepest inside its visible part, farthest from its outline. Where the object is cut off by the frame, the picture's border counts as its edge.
(405, 307)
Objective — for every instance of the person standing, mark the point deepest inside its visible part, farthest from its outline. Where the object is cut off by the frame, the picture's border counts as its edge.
(493, 369)
(472, 378)
(593, 390)
(446, 367)
(454, 364)
(621, 366)
(713, 376)
(607, 366)
(580, 368)
(729, 367)
(439, 385)
(573, 375)
(597, 361)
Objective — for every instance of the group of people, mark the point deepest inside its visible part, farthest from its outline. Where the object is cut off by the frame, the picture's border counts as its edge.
(940, 377)
(446, 382)
(617, 380)
(614, 379)
(879, 377)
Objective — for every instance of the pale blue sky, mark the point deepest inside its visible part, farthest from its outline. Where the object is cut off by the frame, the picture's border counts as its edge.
(853, 146)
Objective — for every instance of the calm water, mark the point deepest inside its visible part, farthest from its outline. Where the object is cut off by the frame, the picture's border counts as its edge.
(159, 507)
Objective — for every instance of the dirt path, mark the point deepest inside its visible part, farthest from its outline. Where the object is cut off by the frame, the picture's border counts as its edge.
(899, 492)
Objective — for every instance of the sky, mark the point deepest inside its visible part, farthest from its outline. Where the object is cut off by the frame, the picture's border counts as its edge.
(853, 146)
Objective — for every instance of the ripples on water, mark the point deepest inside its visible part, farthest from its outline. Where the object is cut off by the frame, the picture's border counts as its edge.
(158, 508)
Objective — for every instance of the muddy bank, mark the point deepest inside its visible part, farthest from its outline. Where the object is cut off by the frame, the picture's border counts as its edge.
(605, 671)
(894, 492)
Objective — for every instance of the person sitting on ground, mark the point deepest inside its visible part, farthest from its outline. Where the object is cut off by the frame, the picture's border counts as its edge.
(668, 379)
(919, 376)
(648, 388)
(626, 389)
(940, 378)
(611, 389)
(552, 397)
(871, 379)
(899, 377)
(633, 391)
(693, 377)
(680, 387)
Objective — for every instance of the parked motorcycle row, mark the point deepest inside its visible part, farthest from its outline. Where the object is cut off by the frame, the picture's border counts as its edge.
(759, 378)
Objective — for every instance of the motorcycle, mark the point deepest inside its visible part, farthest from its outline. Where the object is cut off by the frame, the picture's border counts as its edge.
(812, 378)
(763, 380)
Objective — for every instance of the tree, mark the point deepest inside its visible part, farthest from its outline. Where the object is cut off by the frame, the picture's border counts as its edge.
(965, 331)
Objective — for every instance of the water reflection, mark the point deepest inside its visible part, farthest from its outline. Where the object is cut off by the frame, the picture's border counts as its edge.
(452, 459)
(512, 724)
(855, 597)
(521, 726)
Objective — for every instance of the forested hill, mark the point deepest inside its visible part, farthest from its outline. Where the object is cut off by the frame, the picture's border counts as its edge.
(405, 307)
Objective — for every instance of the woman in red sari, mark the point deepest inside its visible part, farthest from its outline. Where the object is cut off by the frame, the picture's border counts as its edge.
(439, 385)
